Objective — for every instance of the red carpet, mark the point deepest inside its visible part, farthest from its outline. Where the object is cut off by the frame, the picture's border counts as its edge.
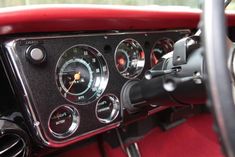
(194, 138)
(91, 150)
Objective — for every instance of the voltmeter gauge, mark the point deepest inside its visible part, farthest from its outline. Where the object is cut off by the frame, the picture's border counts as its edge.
(129, 58)
(81, 74)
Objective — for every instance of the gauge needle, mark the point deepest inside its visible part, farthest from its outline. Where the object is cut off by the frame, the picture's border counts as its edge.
(77, 77)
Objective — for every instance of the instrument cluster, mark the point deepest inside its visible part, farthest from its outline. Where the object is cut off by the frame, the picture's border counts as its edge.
(71, 84)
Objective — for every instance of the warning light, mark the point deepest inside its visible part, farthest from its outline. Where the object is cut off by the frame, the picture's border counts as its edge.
(121, 61)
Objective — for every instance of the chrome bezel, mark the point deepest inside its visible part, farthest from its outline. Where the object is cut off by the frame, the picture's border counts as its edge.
(115, 112)
(139, 69)
(73, 127)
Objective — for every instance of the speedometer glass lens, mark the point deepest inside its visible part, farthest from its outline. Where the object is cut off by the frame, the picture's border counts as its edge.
(81, 74)
(129, 58)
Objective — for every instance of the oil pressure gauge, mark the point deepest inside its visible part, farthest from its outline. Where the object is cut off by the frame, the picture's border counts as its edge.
(63, 121)
(107, 108)
(81, 74)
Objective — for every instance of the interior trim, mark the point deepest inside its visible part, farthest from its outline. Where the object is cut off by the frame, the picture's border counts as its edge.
(62, 18)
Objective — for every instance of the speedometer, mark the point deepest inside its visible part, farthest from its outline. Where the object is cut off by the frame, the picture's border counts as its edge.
(81, 74)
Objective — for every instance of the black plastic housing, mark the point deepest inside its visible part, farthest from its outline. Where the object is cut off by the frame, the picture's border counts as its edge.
(183, 86)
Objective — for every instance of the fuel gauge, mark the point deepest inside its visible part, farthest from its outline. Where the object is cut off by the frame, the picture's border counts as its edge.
(161, 48)
(129, 58)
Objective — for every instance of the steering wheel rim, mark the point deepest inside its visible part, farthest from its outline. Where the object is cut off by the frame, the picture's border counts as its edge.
(218, 75)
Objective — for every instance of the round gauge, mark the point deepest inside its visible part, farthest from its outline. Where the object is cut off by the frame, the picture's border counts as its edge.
(64, 121)
(81, 74)
(161, 48)
(107, 108)
(129, 58)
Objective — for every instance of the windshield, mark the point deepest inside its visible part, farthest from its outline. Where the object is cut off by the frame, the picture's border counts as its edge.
(190, 3)
(187, 3)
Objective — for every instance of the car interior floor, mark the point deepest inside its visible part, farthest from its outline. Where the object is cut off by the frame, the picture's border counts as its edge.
(193, 138)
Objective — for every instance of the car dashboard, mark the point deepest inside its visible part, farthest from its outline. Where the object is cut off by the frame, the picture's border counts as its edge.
(63, 108)
(65, 83)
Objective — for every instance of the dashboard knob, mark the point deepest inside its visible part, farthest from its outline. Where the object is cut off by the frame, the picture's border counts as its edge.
(36, 54)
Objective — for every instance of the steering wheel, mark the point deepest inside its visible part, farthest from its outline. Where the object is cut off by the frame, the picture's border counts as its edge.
(219, 75)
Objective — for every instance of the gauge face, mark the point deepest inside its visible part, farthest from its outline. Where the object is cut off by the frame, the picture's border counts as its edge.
(161, 48)
(129, 58)
(81, 74)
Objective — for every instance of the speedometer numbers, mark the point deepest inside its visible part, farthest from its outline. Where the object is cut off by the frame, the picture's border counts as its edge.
(129, 58)
(81, 74)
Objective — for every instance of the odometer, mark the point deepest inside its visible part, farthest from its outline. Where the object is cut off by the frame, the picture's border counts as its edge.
(81, 74)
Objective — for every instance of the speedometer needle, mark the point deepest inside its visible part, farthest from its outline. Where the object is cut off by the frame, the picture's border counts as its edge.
(77, 77)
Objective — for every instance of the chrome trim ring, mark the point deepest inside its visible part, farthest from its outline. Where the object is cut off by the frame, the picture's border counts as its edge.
(116, 107)
(73, 126)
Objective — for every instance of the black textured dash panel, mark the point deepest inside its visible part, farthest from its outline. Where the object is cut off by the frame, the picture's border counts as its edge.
(39, 79)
